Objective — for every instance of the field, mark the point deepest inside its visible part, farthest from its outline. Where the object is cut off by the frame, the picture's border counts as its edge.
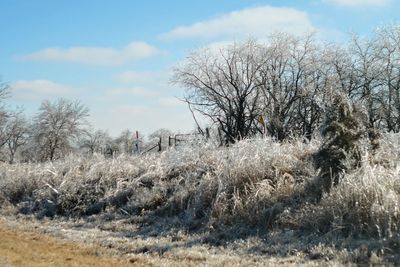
(255, 202)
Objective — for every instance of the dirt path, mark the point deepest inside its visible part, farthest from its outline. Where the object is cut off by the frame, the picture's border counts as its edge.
(33, 249)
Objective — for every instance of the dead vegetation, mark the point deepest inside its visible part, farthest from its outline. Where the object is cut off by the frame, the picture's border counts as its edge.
(254, 191)
(22, 248)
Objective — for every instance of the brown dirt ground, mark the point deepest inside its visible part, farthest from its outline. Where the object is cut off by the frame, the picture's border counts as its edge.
(19, 248)
(23, 243)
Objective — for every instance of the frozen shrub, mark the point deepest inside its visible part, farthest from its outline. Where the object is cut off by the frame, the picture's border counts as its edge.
(366, 202)
(199, 180)
(343, 130)
(257, 184)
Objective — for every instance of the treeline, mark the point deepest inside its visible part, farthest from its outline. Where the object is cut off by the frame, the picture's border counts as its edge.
(60, 128)
(283, 86)
(280, 88)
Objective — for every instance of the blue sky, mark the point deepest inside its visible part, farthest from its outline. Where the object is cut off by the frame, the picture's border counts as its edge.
(116, 57)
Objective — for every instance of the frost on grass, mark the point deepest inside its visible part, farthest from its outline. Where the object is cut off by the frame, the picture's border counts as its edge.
(198, 181)
(254, 186)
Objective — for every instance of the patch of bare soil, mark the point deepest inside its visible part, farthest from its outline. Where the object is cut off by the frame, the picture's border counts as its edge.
(29, 242)
(20, 248)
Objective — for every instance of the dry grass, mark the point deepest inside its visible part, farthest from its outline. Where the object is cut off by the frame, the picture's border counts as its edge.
(20, 248)
(254, 190)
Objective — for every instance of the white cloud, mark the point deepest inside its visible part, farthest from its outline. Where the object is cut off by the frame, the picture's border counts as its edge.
(39, 89)
(217, 46)
(131, 91)
(360, 3)
(257, 22)
(101, 56)
(135, 76)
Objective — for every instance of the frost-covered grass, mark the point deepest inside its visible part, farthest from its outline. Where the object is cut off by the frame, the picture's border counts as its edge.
(255, 187)
(238, 182)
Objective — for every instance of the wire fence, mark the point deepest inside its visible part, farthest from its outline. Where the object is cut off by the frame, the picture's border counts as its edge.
(178, 140)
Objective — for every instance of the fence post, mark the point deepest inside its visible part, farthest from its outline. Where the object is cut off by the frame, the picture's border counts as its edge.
(207, 133)
(175, 138)
(159, 145)
(137, 142)
(169, 141)
(220, 137)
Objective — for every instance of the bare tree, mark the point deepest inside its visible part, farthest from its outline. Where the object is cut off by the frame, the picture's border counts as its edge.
(223, 86)
(387, 50)
(291, 79)
(126, 141)
(368, 71)
(4, 93)
(3, 132)
(95, 141)
(342, 69)
(57, 125)
(17, 132)
(281, 86)
(4, 90)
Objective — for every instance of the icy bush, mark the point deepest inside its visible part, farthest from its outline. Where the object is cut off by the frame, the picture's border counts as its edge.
(367, 201)
(200, 180)
(259, 183)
